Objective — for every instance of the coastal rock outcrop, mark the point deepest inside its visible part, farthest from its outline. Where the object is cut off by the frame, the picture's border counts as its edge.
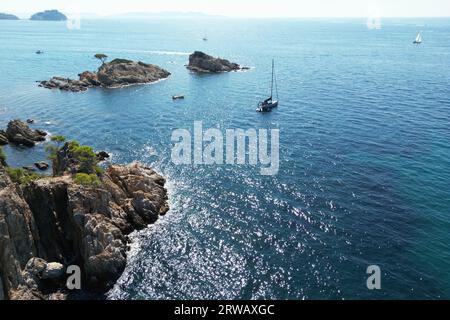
(48, 15)
(18, 132)
(115, 74)
(79, 217)
(120, 72)
(65, 84)
(202, 63)
(52, 223)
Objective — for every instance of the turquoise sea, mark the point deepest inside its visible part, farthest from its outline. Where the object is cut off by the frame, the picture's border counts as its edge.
(365, 142)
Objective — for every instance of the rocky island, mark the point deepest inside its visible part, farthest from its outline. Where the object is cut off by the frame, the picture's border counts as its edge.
(202, 63)
(19, 133)
(80, 216)
(115, 74)
(5, 16)
(48, 15)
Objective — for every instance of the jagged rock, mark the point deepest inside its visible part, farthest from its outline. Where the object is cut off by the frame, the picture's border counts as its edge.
(53, 270)
(3, 138)
(42, 165)
(102, 156)
(19, 133)
(121, 72)
(30, 121)
(89, 78)
(34, 270)
(203, 63)
(21, 140)
(54, 219)
(114, 74)
(41, 133)
(65, 84)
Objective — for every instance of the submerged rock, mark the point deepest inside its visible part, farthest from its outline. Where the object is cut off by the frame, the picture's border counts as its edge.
(20, 133)
(42, 165)
(114, 74)
(55, 219)
(202, 63)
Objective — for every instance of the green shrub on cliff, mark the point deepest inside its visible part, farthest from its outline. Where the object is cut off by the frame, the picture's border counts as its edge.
(82, 153)
(21, 176)
(99, 170)
(102, 57)
(53, 149)
(58, 139)
(85, 155)
(90, 180)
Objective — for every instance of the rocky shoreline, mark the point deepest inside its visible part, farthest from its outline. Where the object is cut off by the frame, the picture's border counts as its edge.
(115, 74)
(81, 216)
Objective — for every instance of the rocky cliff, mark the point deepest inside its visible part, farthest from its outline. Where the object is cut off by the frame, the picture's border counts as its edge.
(114, 74)
(202, 63)
(50, 223)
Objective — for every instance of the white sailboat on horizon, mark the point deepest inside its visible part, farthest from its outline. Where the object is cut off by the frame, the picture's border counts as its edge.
(419, 39)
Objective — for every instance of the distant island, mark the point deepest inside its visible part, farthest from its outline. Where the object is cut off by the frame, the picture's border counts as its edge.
(49, 15)
(6, 16)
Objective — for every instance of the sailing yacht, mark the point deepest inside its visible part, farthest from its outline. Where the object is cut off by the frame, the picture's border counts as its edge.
(268, 104)
(418, 39)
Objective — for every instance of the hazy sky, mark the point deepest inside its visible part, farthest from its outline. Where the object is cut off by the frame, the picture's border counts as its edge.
(242, 8)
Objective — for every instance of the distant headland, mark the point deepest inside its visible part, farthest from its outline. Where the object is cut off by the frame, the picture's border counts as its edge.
(6, 16)
(48, 15)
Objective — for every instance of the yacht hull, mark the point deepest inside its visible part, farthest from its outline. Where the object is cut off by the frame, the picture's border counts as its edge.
(267, 107)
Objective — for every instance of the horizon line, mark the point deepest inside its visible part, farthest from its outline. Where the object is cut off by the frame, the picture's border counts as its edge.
(95, 16)
(129, 15)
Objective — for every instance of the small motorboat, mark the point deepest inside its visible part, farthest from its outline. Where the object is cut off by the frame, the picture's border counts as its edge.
(39, 52)
(268, 104)
(177, 97)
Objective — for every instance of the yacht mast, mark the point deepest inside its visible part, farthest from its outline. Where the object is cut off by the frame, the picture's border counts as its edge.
(273, 70)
